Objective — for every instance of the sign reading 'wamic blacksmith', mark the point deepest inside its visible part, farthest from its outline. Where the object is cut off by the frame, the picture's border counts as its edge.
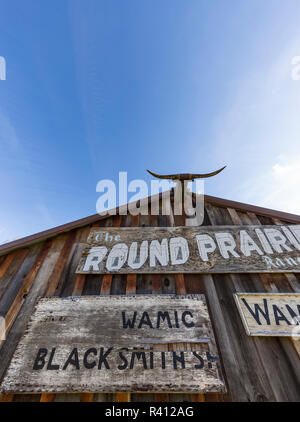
(272, 314)
(215, 249)
(117, 343)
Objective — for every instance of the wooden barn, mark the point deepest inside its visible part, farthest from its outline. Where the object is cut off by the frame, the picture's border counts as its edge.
(253, 368)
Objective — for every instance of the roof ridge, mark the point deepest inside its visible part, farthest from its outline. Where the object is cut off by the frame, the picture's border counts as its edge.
(225, 203)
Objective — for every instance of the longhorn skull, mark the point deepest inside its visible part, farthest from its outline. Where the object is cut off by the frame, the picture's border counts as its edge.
(185, 176)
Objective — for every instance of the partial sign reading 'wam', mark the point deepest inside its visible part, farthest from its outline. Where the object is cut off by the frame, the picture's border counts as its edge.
(272, 314)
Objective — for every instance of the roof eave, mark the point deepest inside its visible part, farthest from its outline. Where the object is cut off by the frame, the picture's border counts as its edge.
(225, 203)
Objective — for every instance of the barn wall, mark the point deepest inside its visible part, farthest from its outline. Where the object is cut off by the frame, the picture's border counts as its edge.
(255, 369)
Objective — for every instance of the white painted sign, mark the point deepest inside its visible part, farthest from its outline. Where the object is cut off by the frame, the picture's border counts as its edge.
(213, 249)
(117, 343)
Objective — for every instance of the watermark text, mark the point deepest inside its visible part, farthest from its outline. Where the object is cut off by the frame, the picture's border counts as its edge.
(186, 202)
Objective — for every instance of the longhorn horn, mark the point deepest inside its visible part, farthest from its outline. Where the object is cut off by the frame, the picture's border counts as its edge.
(159, 176)
(186, 176)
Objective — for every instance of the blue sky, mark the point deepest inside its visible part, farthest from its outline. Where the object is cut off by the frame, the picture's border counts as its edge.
(97, 87)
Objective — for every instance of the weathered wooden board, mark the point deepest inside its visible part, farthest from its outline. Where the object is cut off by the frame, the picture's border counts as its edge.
(212, 249)
(272, 314)
(106, 344)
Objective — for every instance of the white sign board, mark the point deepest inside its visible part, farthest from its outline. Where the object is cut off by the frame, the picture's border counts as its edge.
(271, 314)
(117, 343)
(212, 249)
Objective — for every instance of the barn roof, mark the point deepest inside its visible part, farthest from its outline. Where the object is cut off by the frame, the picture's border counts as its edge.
(220, 202)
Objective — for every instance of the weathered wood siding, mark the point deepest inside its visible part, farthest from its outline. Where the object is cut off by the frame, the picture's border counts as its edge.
(255, 368)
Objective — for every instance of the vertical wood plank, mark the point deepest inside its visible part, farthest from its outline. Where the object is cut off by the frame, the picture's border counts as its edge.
(156, 278)
(102, 397)
(86, 397)
(156, 283)
(57, 271)
(122, 397)
(11, 277)
(25, 287)
(69, 277)
(80, 278)
(131, 278)
(10, 267)
(5, 398)
(47, 397)
(135, 220)
(106, 284)
(79, 283)
(107, 278)
(6, 263)
(180, 284)
(68, 397)
(27, 398)
(131, 284)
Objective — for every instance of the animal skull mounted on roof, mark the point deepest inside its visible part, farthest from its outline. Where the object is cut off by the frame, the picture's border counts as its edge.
(184, 195)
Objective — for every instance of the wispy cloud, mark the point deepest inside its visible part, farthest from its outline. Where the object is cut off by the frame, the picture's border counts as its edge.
(259, 134)
(285, 185)
(16, 176)
(278, 188)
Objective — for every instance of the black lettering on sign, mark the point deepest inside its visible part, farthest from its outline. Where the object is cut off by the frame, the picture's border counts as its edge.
(163, 360)
(279, 316)
(201, 364)
(138, 355)
(39, 362)
(151, 360)
(124, 359)
(87, 364)
(293, 314)
(145, 320)
(257, 310)
(211, 359)
(129, 323)
(180, 359)
(72, 359)
(163, 316)
(269, 314)
(187, 324)
(176, 319)
(102, 358)
(50, 366)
